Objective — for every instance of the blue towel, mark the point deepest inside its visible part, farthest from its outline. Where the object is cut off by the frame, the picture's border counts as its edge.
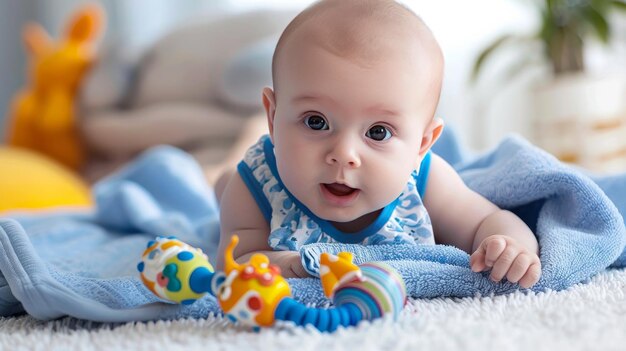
(83, 264)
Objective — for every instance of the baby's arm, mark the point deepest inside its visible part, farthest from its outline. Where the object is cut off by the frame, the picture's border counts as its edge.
(497, 239)
(239, 214)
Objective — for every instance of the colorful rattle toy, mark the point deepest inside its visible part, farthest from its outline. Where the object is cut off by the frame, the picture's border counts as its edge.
(255, 294)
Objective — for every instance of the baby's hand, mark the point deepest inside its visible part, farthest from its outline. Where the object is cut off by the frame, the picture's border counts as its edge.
(505, 257)
(290, 265)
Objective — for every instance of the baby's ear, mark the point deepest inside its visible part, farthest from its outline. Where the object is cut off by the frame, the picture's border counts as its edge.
(431, 134)
(269, 102)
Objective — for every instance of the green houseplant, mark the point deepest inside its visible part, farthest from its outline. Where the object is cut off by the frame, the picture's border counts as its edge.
(565, 25)
(577, 116)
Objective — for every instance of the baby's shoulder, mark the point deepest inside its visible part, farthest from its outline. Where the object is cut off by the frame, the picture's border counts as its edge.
(238, 208)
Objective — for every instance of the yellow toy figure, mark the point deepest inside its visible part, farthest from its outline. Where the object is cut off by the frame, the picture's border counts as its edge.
(43, 116)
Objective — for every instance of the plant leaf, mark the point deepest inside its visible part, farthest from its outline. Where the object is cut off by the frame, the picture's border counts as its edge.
(598, 22)
(547, 29)
(487, 52)
(620, 5)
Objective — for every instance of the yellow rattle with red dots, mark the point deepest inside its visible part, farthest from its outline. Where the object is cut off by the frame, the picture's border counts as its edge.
(255, 294)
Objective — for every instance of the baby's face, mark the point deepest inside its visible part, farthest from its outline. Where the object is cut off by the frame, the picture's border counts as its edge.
(347, 135)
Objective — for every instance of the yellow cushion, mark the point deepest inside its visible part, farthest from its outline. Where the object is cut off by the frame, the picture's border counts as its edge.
(31, 181)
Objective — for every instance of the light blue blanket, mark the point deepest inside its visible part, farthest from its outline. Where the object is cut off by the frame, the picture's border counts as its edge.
(83, 264)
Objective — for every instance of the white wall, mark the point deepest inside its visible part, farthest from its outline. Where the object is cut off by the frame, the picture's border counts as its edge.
(133, 23)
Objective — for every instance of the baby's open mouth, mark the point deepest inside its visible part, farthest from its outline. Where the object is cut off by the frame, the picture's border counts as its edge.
(339, 189)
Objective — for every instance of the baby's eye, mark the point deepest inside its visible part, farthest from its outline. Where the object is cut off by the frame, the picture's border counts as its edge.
(316, 122)
(378, 133)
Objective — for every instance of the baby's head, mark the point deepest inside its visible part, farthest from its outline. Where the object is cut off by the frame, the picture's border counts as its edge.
(356, 85)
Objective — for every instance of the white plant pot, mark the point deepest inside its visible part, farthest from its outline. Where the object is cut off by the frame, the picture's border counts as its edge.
(582, 119)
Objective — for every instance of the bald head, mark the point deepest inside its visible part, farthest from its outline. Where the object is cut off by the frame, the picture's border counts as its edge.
(363, 30)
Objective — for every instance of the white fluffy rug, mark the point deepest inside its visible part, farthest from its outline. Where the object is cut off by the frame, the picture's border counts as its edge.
(588, 316)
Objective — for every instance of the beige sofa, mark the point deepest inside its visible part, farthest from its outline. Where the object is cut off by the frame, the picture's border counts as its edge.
(197, 88)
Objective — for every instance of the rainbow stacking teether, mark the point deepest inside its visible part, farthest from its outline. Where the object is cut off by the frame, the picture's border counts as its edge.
(255, 294)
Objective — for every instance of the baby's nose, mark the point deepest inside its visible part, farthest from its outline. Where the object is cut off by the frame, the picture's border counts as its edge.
(350, 163)
(344, 155)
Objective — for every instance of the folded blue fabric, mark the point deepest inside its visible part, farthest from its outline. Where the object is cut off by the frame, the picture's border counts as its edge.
(83, 264)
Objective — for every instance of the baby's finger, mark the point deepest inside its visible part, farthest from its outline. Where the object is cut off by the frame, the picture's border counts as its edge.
(477, 261)
(503, 264)
(493, 248)
(519, 267)
(532, 276)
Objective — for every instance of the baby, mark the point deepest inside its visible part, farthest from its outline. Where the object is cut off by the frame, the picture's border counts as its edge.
(351, 123)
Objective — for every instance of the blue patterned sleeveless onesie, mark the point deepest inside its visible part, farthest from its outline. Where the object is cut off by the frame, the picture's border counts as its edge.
(404, 221)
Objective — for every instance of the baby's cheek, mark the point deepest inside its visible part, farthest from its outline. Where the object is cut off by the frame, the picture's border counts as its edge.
(388, 187)
(399, 176)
